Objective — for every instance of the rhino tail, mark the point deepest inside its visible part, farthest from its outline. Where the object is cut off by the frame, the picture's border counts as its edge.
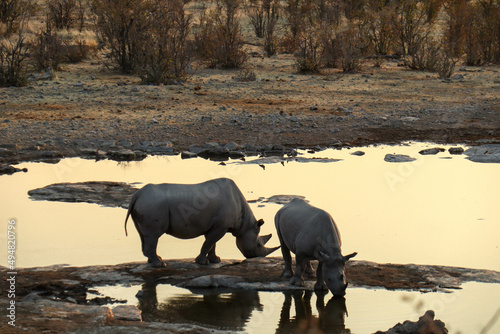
(130, 208)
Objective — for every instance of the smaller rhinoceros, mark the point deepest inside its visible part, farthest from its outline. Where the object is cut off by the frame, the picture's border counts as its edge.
(311, 234)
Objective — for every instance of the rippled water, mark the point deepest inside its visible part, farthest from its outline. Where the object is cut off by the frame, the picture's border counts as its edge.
(440, 209)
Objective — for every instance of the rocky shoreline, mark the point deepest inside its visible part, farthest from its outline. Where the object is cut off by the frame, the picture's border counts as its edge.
(49, 295)
(485, 151)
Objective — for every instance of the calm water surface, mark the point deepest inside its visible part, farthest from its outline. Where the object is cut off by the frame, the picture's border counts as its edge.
(440, 209)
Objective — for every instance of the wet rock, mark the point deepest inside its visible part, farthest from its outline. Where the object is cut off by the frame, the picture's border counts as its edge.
(236, 154)
(196, 149)
(456, 150)
(7, 169)
(232, 146)
(112, 194)
(127, 313)
(485, 158)
(126, 155)
(51, 156)
(398, 158)
(489, 153)
(214, 151)
(432, 151)
(358, 153)
(213, 281)
(188, 155)
(4, 152)
(282, 199)
(425, 324)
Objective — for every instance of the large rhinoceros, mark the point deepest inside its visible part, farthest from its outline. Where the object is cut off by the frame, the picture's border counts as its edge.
(311, 234)
(186, 211)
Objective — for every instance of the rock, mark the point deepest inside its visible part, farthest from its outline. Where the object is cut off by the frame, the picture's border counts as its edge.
(188, 155)
(126, 155)
(485, 158)
(283, 199)
(398, 158)
(432, 151)
(358, 153)
(4, 152)
(42, 155)
(425, 324)
(214, 151)
(232, 146)
(127, 312)
(489, 153)
(196, 149)
(457, 77)
(456, 150)
(236, 154)
(9, 170)
(112, 194)
(213, 281)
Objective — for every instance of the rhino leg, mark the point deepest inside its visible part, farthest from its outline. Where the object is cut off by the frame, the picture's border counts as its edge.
(299, 270)
(309, 270)
(320, 283)
(287, 257)
(212, 257)
(149, 250)
(211, 238)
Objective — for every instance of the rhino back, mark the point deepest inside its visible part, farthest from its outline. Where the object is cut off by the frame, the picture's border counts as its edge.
(190, 210)
(305, 228)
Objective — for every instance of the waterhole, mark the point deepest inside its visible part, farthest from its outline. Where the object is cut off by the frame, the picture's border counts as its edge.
(438, 209)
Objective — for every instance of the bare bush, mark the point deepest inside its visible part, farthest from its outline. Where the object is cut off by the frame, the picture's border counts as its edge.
(377, 25)
(162, 56)
(46, 51)
(308, 58)
(414, 22)
(13, 62)
(65, 14)
(13, 13)
(218, 39)
(121, 24)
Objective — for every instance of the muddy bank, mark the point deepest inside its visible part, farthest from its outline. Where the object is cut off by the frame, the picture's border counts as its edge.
(47, 296)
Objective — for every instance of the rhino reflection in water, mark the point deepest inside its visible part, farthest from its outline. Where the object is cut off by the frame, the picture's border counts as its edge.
(229, 311)
(330, 319)
(186, 211)
(233, 309)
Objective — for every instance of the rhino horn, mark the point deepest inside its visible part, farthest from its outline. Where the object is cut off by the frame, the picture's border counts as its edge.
(272, 249)
(264, 239)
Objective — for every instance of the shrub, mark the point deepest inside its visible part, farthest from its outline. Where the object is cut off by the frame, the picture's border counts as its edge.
(121, 25)
(162, 56)
(46, 51)
(65, 14)
(414, 23)
(377, 25)
(308, 58)
(13, 62)
(13, 13)
(218, 39)
(343, 50)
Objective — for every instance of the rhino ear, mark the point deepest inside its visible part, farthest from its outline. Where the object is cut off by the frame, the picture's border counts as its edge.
(260, 222)
(322, 256)
(350, 256)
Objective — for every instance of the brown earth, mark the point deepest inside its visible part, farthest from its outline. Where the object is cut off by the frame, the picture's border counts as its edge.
(89, 103)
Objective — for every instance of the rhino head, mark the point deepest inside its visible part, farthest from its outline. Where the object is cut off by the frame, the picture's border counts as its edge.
(251, 244)
(334, 270)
